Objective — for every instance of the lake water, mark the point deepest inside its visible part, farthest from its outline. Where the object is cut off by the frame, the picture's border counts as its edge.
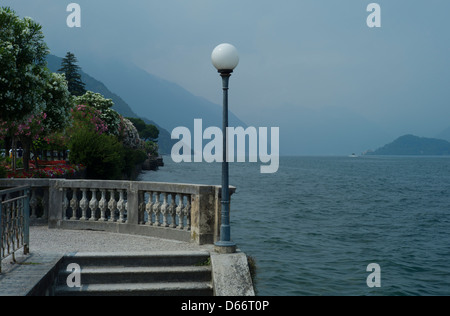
(315, 225)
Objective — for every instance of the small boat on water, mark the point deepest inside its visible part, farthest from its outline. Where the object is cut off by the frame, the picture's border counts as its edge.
(353, 155)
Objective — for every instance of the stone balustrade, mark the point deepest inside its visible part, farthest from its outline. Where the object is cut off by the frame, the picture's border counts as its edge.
(184, 212)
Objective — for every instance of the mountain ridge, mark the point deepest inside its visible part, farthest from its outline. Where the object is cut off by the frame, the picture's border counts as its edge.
(164, 101)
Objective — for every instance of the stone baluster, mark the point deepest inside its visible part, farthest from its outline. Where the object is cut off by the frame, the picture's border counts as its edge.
(179, 211)
(45, 204)
(164, 210)
(103, 205)
(121, 207)
(141, 197)
(93, 205)
(187, 212)
(157, 210)
(65, 204)
(84, 205)
(33, 203)
(173, 211)
(149, 208)
(112, 205)
(74, 205)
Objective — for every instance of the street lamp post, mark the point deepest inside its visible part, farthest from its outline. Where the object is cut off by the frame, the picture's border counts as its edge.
(225, 58)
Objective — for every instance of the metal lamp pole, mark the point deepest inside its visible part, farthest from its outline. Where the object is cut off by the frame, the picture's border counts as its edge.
(225, 59)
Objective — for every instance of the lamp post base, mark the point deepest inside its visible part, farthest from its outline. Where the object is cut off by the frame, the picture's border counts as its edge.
(224, 247)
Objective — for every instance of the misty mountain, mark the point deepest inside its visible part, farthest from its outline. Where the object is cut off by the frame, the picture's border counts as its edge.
(445, 134)
(329, 130)
(165, 142)
(414, 145)
(165, 102)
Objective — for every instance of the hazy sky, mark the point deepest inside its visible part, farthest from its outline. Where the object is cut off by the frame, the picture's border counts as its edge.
(294, 54)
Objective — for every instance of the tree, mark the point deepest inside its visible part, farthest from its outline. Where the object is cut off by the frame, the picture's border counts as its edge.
(70, 68)
(23, 70)
(54, 117)
(147, 132)
(151, 133)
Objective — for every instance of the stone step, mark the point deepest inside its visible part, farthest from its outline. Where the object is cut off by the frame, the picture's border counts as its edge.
(139, 289)
(114, 275)
(138, 274)
(154, 259)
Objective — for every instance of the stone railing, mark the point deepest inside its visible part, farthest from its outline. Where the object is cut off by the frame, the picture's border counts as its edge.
(14, 221)
(184, 212)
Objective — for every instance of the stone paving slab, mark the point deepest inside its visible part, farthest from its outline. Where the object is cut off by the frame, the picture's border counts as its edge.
(20, 278)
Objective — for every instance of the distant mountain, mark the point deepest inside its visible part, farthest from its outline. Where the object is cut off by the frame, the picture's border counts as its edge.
(165, 142)
(329, 130)
(415, 146)
(165, 102)
(445, 134)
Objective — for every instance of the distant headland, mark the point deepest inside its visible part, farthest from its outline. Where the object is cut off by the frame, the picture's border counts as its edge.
(410, 145)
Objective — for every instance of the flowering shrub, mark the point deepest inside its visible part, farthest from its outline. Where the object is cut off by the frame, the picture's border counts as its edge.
(32, 127)
(105, 112)
(130, 136)
(57, 141)
(87, 117)
(55, 169)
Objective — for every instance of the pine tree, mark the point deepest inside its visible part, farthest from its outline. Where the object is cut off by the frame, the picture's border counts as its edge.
(70, 68)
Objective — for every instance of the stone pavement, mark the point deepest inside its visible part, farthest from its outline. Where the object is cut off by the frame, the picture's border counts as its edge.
(20, 278)
(47, 246)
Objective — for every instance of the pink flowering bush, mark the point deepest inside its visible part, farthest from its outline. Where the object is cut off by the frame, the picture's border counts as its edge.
(87, 117)
(31, 128)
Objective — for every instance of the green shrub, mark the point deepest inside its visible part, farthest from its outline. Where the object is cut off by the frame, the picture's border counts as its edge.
(133, 157)
(2, 171)
(103, 155)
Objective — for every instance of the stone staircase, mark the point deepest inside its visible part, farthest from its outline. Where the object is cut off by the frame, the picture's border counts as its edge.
(137, 274)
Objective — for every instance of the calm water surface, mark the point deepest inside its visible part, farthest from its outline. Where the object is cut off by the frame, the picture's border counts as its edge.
(315, 225)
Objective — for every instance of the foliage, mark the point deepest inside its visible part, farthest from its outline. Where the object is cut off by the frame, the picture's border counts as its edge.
(133, 157)
(22, 66)
(130, 136)
(2, 168)
(103, 105)
(146, 131)
(103, 155)
(152, 148)
(58, 103)
(71, 70)
(32, 127)
(89, 118)
(54, 169)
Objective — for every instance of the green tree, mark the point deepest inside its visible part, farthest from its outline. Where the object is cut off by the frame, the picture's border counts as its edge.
(147, 132)
(23, 70)
(72, 71)
(151, 133)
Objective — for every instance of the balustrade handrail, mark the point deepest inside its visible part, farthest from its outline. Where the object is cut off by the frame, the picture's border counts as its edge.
(186, 212)
(14, 221)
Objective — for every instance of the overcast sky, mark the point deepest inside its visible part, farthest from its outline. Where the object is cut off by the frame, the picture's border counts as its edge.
(294, 54)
